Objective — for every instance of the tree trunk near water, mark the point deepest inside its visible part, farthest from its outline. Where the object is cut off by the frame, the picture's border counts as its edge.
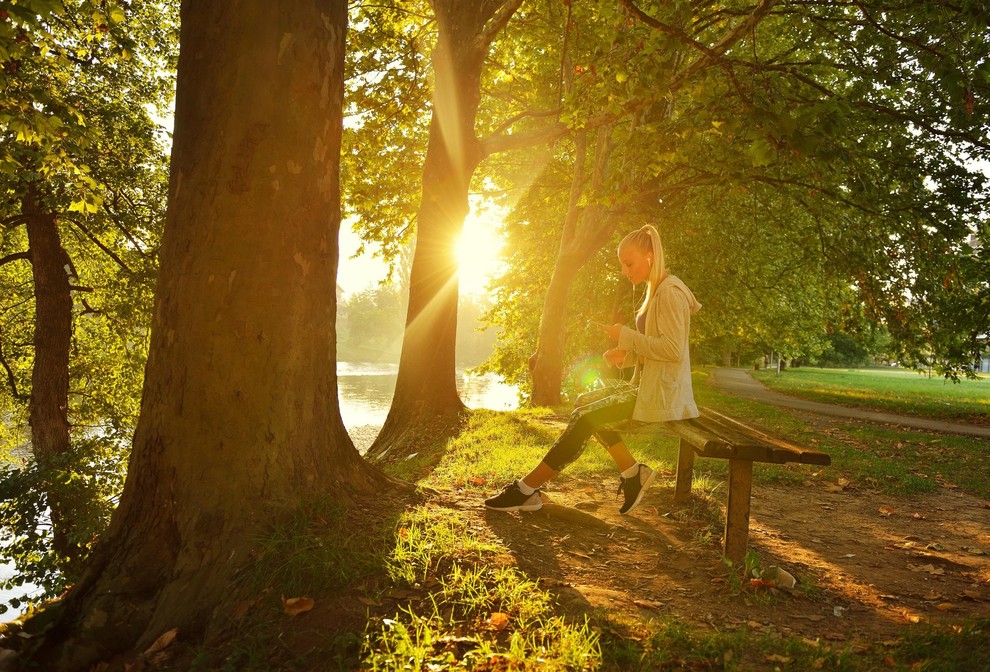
(586, 229)
(548, 363)
(239, 414)
(48, 416)
(426, 388)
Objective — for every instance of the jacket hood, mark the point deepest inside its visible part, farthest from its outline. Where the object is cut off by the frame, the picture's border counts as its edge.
(674, 281)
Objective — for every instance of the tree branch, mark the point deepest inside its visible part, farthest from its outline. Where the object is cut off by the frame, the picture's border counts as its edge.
(894, 36)
(666, 28)
(501, 143)
(15, 256)
(110, 253)
(497, 23)
(505, 125)
(11, 378)
(726, 43)
(14, 219)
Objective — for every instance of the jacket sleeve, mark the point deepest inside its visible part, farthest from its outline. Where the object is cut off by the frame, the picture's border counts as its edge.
(671, 317)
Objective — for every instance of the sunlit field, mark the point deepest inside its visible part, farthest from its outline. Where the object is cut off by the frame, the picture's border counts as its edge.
(894, 390)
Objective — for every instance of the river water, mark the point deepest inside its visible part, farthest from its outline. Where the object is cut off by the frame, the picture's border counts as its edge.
(365, 394)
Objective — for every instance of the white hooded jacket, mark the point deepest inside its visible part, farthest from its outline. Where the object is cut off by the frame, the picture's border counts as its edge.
(664, 374)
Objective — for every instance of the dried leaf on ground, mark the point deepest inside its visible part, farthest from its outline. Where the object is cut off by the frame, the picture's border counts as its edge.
(297, 605)
(498, 620)
(163, 641)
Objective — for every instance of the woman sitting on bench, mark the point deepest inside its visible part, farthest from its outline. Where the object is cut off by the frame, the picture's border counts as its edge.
(661, 391)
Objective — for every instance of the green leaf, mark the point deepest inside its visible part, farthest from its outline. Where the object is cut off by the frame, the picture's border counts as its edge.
(761, 152)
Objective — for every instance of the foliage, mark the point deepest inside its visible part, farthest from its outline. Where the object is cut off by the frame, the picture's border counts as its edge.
(87, 484)
(82, 84)
(386, 120)
(835, 150)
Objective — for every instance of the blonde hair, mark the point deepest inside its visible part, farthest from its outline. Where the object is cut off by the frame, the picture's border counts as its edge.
(647, 240)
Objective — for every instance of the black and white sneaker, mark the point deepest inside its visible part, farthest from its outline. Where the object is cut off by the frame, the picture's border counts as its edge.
(513, 499)
(633, 488)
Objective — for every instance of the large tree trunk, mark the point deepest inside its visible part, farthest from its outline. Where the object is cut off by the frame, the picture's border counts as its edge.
(239, 412)
(50, 372)
(425, 388)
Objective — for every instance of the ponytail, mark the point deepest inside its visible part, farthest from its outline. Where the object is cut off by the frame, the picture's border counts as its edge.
(647, 240)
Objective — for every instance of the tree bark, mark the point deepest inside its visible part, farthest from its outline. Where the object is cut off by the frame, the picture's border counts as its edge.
(239, 413)
(425, 388)
(547, 365)
(585, 230)
(49, 403)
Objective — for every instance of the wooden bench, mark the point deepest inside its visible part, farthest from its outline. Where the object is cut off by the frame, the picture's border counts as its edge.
(719, 436)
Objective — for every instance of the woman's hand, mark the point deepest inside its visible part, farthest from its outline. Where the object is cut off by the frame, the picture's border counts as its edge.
(615, 356)
(612, 331)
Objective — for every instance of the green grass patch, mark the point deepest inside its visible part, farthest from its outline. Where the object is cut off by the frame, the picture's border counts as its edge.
(668, 643)
(891, 390)
(310, 549)
(892, 460)
(478, 612)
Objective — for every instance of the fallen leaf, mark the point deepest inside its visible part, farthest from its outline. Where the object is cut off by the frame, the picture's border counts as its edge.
(762, 583)
(973, 550)
(242, 608)
(163, 641)
(886, 511)
(477, 480)
(945, 606)
(498, 620)
(972, 595)
(297, 605)
(930, 569)
(774, 658)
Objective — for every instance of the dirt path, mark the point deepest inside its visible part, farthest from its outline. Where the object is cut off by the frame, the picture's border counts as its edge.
(866, 564)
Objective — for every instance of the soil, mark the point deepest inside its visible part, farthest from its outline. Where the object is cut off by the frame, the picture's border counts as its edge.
(866, 565)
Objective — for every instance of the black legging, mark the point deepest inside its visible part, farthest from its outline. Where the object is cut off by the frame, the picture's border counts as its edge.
(570, 444)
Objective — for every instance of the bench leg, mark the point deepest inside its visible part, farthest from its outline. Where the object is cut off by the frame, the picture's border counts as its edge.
(685, 471)
(737, 510)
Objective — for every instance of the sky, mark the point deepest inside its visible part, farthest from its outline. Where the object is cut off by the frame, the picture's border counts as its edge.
(478, 253)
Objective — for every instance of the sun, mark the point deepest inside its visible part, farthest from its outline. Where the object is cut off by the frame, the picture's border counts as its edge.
(478, 250)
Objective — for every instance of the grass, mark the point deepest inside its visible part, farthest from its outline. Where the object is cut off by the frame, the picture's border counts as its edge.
(891, 390)
(890, 460)
(479, 611)
(441, 591)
